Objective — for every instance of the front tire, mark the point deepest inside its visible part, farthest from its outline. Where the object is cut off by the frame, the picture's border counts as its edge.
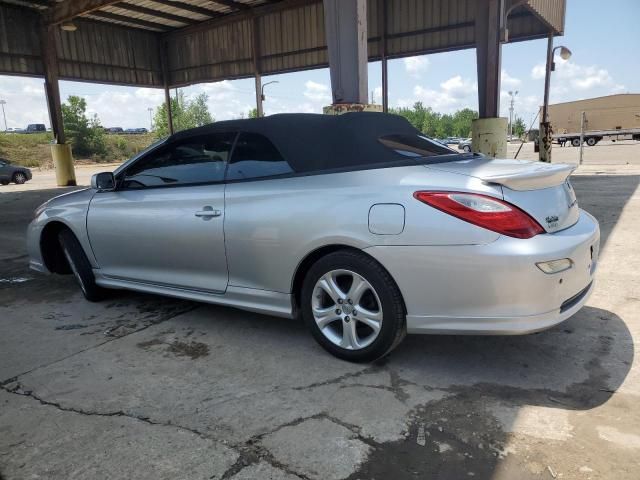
(353, 307)
(80, 266)
(591, 141)
(466, 148)
(575, 142)
(19, 178)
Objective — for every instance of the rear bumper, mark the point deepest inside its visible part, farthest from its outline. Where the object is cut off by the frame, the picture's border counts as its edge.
(495, 288)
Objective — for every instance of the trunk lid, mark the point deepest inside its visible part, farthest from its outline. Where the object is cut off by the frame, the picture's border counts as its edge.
(542, 190)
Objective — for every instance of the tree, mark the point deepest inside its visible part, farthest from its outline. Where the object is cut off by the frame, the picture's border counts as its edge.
(253, 113)
(437, 125)
(186, 114)
(519, 127)
(86, 134)
(461, 122)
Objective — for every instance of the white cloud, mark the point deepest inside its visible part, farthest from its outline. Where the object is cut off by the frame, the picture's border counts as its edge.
(25, 101)
(538, 71)
(317, 92)
(454, 94)
(509, 81)
(377, 95)
(574, 77)
(416, 65)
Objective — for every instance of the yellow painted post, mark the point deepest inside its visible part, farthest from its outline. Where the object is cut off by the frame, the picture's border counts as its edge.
(63, 163)
(489, 136)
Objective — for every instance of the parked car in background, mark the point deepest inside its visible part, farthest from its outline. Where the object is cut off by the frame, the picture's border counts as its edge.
(465, 145)
(451, 140)
(357, 222)
(141, 131)
(113, 130)
(13, 173)
(130, 131)
(35, 128)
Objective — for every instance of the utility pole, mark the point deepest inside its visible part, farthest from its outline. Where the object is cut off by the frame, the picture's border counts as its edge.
(263, 98)
(150, 118)
(4, 115)
(583, 119)
(513, 98)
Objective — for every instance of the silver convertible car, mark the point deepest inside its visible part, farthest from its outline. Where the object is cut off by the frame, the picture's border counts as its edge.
(358, 223)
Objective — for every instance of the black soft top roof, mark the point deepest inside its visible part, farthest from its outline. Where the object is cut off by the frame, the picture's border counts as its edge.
(311, 142)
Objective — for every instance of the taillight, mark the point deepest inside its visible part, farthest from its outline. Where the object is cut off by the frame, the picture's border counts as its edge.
(484, 211)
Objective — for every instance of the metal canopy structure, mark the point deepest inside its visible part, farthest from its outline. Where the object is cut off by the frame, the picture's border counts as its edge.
(167, 43)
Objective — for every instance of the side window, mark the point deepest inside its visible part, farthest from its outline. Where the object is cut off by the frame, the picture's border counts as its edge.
(200, 159)
(255, 156)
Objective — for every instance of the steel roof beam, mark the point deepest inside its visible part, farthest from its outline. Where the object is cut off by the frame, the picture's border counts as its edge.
(129, 20)
(68, 10)
(187, 7)
(231, 4)
(154, 13)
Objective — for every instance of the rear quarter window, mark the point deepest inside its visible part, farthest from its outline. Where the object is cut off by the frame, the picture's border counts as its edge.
(254, 156)
(415, 146)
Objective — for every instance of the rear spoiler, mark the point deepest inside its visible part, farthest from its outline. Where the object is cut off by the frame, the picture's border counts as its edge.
(543, 176)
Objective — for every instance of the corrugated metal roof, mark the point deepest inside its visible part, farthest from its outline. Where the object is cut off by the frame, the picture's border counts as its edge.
(120, 43)
(551, 12)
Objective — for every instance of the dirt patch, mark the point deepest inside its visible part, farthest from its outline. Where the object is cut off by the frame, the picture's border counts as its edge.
(192, 350)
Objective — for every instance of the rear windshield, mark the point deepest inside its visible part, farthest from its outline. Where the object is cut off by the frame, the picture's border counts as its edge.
(414, 146)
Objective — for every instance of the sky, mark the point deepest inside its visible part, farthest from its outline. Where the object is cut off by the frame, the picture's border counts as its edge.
(604, 41)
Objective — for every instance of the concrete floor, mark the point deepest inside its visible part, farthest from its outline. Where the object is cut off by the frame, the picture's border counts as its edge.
(149, 388)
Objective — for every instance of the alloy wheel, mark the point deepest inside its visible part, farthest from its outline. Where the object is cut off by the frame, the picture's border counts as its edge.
(20, 178)
(347, 309)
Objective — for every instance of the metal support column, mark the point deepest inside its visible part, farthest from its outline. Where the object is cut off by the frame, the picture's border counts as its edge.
(164, 61)
(60, 150)
(256, 65)
(489, 132)
(51, 85)
(488, 54)
(346, 33)
(382, 9)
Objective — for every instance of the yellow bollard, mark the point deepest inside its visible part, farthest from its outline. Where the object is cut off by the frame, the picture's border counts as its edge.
(63, 163)
(489, 136)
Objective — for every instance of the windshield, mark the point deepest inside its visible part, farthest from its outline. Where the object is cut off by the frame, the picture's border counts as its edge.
(415, 145)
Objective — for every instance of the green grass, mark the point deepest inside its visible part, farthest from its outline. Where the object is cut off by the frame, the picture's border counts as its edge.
(32, 150)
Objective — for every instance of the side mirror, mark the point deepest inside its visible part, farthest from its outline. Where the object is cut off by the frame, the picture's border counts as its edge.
(103, 181)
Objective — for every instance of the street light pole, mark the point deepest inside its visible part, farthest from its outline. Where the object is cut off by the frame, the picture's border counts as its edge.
(544, 139)
(4, 115)
(513, 97)
(150, 118)
(262, 97)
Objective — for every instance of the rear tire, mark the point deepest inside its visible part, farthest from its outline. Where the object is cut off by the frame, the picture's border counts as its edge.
(80, 266)
(591, 141)
(575, 142)
(354, 324)
(466, 148)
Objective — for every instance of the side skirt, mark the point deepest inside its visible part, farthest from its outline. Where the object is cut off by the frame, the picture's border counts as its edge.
(253, 300)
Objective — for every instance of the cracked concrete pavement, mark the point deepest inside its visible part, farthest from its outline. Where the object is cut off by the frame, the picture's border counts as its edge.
(140, 386)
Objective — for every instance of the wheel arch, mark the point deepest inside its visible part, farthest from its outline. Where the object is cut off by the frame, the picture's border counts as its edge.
(312, 257)
(51, 250)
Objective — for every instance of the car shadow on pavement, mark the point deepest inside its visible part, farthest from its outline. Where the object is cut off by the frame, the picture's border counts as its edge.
(575, 366)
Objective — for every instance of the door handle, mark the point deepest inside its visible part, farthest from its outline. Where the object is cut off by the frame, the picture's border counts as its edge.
(208, 212)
